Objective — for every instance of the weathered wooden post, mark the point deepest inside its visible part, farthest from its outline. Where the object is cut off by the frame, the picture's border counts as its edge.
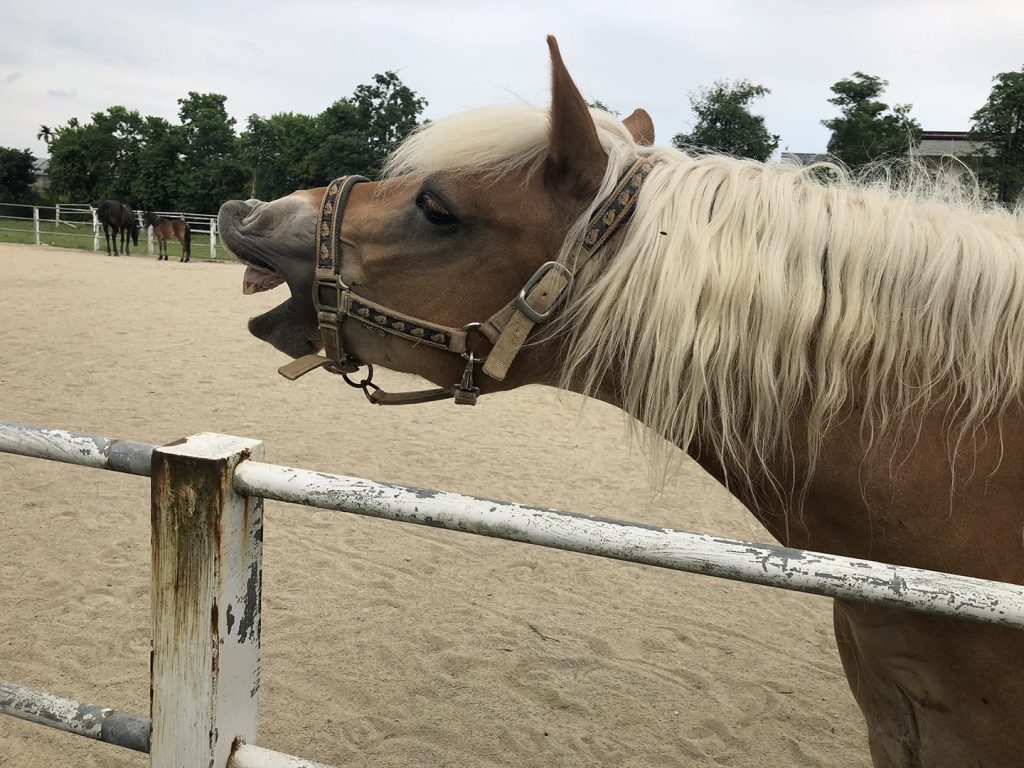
(35, 223)
(95, 229)
(213, 239)
(207, 579)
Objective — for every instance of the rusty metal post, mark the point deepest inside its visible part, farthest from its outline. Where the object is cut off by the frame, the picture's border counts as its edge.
(207, 578)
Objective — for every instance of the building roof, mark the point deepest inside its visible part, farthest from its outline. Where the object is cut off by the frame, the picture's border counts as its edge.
(806, 158)
(948, 144)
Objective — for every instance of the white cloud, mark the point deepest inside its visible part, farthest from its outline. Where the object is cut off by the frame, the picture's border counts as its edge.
(272, 57)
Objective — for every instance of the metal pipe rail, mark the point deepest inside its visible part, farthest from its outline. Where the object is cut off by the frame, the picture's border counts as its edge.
(118, 728)
(76, 448)
(914, 589)
(960, 597)
(207, 513)
(89, 720)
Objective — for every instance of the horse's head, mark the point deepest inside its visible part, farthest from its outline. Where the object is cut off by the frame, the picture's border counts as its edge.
(470, 209)
(134, 229)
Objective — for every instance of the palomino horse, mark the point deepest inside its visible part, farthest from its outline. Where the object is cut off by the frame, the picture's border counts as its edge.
(847, 358)
(165, 229)
(118, 216)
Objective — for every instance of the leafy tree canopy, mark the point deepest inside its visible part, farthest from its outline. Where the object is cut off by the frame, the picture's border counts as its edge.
(17, 175)
(725, 124)
(197, 164)
(1000, 124)
(867, 129)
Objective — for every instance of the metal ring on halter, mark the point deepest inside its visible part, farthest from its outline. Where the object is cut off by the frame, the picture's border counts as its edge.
(469, 354)
(367, 382)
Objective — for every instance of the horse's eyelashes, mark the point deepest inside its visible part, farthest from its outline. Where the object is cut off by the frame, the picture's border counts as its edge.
(434, 210)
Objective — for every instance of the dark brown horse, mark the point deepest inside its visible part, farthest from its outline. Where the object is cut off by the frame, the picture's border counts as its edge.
(165, 229)
(118, 216)
(847, 359)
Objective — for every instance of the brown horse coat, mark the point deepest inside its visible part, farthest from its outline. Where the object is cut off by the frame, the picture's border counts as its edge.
(165, 229)
(885, 474)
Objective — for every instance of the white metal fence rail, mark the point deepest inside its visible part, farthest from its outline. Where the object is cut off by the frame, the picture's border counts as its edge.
(79, 221)
(207, 494)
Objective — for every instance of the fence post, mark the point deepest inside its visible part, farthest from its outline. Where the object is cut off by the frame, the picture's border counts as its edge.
(35, 223)
(149, 240)
(95, 229)
(207, 579)
(56, 217)
(213, 239)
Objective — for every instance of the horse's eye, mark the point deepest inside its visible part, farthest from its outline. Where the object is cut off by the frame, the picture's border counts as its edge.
(434, 210)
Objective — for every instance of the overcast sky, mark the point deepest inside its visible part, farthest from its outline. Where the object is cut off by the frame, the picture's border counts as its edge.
(61, 58)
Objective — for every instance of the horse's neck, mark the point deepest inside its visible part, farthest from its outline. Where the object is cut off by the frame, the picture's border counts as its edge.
(903, 499)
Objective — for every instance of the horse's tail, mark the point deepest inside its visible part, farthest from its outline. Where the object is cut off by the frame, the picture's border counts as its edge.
(188, 240)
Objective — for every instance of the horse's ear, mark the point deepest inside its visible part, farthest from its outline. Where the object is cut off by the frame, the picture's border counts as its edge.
(576, 160)
(640, 127)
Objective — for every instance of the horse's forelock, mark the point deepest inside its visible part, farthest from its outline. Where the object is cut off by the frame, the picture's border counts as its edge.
(490, 142)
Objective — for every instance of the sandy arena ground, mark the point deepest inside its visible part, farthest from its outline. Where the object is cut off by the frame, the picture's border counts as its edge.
(383, 644)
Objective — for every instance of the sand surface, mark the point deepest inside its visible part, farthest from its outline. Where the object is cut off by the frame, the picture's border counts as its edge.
(384, 644)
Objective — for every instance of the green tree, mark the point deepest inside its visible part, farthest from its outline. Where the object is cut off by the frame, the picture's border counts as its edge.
(867, 130)
(157, 182)
(277, 151)
(341, 147)
(1000, 125)
(598, 104)
(355, 135)
(725, 124)
(95, 160)
(388, 110)
(77, 160)
(119, 131)
(17, 175)
(214, 172)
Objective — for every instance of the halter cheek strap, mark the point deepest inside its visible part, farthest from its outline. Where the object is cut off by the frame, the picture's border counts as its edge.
(547, 289)
(507, 328)
(335, 301)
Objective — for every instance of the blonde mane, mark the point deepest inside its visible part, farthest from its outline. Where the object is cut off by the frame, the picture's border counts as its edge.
(742, 293)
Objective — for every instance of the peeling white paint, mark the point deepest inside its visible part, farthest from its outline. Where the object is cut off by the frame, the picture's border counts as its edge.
(251, 756)
(960, 597)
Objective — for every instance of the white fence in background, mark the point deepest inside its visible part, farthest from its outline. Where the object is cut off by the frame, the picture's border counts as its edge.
(207, 547)
(56, 224)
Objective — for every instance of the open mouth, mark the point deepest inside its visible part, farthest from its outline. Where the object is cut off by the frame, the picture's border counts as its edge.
(259, 275)
(259, 279)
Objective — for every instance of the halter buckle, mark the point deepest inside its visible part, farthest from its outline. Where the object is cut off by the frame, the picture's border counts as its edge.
(524, 306)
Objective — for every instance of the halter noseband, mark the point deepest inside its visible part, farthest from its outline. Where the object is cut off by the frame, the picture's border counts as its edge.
(507, 329)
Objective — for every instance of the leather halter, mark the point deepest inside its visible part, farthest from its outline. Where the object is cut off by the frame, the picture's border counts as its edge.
(507, 329)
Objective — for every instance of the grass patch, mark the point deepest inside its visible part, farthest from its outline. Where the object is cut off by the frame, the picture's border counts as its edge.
(81, 237)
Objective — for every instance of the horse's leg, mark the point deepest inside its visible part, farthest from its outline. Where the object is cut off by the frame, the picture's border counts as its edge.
(935, 693)
(106, 235)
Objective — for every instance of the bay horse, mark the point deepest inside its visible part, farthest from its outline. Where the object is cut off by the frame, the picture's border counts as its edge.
(846, 357)
(165, 229)
(119, 217)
